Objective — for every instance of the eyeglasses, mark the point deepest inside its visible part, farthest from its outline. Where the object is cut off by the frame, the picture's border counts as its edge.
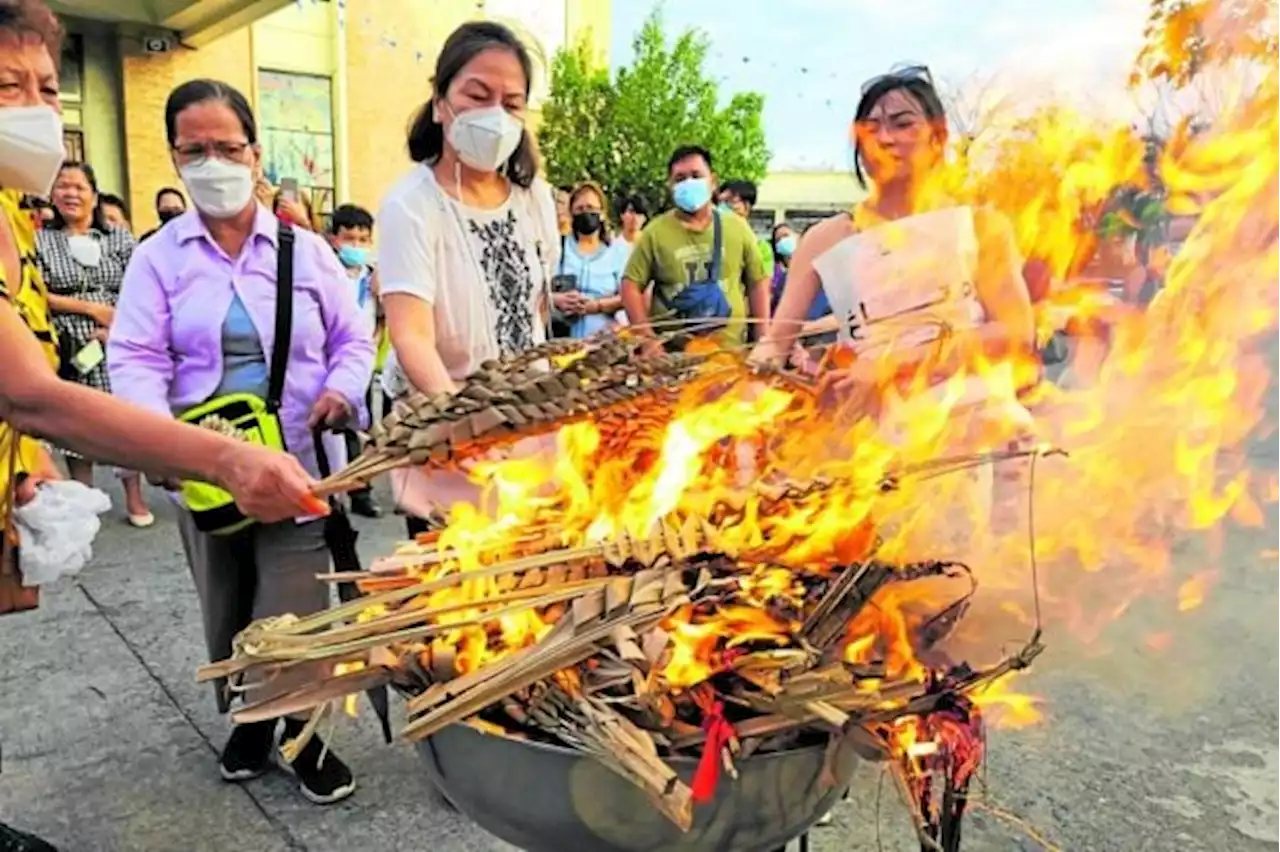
(902, 74)
(197, 152)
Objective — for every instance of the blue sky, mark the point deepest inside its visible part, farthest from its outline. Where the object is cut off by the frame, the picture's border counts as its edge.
(808, 57)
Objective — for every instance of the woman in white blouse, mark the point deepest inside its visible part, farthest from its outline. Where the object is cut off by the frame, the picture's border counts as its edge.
(470, 233)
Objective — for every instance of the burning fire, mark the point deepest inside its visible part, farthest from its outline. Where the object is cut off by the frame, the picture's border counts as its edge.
(1152, 434)
(1004, 708)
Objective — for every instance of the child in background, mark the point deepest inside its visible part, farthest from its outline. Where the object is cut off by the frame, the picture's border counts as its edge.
(351, 233)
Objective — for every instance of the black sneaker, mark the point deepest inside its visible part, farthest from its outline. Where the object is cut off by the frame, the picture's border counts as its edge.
(247, 753)
(323, 781)
(363, 504)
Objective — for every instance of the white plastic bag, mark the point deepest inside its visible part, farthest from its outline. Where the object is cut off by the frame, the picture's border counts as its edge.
(56, 529)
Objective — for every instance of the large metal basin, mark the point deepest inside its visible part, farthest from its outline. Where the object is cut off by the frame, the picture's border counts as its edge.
(546, 798)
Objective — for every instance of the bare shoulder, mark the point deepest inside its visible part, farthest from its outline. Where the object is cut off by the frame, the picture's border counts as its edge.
(827, 233)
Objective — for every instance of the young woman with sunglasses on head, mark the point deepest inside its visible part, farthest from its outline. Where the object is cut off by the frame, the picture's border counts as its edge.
(915, 281)
(900, 135)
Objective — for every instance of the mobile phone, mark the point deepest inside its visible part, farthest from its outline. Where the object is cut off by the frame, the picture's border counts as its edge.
(563, 283)
(88, 357)
(289, 188)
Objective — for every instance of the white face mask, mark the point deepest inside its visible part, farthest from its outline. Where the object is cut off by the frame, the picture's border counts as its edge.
(31, 149)
(485, 138)
(218, 188)
(85, 249)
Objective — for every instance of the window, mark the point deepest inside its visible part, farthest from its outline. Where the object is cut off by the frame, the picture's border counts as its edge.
(71, 74)
(802, 220)
(761, 222)
(296, 114)
(71, 94)
(73, 144)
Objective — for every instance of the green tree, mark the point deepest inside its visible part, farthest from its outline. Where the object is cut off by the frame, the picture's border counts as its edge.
(621, 131)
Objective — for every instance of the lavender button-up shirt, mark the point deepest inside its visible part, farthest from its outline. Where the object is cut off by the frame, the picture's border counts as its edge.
(165, 348)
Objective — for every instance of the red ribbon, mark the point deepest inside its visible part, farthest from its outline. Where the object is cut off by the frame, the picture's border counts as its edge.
(719, 733)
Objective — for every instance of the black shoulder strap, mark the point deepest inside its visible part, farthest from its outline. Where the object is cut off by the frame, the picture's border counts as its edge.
(284, 317)
(717, 246)
(322, 455)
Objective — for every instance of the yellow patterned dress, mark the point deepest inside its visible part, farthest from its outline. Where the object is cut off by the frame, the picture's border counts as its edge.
(29, 298)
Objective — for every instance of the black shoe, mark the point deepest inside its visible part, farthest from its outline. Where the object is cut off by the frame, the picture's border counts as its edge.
(247, 753)
(12, 840)
(363, 504)
(323, 781)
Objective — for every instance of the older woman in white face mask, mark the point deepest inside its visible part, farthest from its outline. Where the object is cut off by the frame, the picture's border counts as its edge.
(469, 235)
(226, 310)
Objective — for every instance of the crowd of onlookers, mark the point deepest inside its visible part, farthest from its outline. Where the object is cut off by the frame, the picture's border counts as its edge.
(476, 257)
(86, 240)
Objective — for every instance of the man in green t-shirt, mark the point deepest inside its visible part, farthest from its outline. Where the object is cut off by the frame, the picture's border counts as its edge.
(674, 252)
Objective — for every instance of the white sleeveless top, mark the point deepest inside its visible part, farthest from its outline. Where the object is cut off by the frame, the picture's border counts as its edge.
(902, 284)
(899, 284)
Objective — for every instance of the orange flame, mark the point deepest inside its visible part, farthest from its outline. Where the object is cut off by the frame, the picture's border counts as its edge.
(1150, 427)
(1004, 708)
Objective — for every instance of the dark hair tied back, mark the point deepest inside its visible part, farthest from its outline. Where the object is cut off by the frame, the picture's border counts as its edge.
(426, 133)
(195, 92)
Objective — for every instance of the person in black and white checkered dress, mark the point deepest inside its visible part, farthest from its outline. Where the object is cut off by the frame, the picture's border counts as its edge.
(82, 260)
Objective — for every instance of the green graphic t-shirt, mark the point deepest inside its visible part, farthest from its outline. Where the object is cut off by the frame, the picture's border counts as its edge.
(672, 257)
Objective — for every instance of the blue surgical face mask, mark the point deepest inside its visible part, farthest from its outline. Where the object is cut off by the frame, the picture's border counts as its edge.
(691, 194)
(353, 255)
(724, 207)
(786, 246)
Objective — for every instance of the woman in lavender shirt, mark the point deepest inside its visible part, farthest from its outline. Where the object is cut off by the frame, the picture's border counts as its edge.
(196, 320)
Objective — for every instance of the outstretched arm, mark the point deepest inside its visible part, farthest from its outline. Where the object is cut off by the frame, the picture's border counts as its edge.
(267, 485)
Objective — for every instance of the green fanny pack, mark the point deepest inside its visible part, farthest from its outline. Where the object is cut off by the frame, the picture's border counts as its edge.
(246, 416)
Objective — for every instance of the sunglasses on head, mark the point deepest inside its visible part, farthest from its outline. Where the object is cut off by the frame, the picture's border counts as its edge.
(901, 74)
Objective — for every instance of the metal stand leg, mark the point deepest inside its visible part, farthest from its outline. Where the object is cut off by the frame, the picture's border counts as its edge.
(804, 844)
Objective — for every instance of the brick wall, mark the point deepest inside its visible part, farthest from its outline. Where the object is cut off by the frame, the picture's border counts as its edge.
(147, 81)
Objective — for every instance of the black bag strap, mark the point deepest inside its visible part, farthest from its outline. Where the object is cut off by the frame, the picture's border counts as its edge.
(717, 246)
(322, 455)
(284, 317)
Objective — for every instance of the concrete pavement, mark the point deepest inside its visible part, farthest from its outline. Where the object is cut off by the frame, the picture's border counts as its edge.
(108, 744)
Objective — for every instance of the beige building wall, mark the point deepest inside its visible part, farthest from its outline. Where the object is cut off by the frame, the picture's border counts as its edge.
(379, 55)
(390, 54)
(391, 50)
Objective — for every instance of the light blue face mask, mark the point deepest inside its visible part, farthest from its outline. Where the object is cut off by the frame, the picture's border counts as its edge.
(353, 256)
(691, 194)
(786, 246)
